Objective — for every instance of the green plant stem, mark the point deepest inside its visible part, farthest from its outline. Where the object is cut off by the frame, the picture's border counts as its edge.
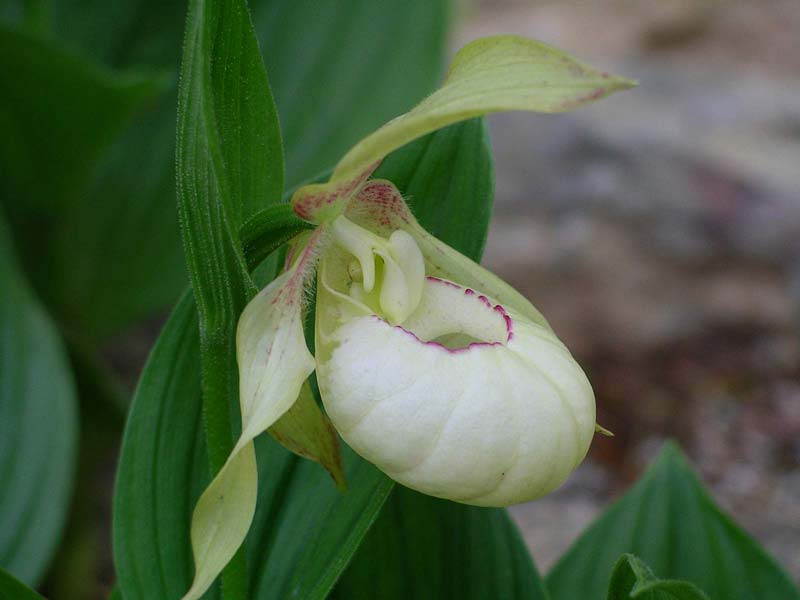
(266, 231)
(218, 353)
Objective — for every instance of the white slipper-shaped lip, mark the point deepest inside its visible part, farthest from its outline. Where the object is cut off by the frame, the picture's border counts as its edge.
(494, 422)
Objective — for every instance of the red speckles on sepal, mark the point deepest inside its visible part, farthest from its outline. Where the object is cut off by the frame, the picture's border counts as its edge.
(380, 206)
(325, 201)
(300, 260)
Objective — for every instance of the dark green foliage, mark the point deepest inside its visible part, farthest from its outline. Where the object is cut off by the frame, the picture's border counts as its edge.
(668, 520)
(38, 426)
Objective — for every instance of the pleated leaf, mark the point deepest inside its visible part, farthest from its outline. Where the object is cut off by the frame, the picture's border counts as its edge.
(632, 578)
(38, 427)
(13, 589)
(427, 548)
(669, 520)
(304, 531)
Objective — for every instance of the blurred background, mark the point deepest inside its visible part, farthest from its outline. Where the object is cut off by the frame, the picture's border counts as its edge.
(659, 230)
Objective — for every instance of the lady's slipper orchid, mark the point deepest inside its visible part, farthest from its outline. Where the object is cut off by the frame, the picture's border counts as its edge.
(428, 365)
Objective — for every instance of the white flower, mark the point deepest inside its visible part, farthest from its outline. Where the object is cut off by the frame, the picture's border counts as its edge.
(428, 365)
(439, 384)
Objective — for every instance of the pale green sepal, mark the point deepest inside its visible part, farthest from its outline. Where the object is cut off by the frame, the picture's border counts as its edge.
(380, 208)
(274, 362)
(222, 518)
(602, 430)
(272, 354)
(305, 430)
(493, 74)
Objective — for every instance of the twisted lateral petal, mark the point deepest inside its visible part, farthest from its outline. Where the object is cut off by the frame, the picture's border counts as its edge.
(222, 518)
(271, 351)
(492, 74)
(503, 417)
(380, 208)
(273, 364)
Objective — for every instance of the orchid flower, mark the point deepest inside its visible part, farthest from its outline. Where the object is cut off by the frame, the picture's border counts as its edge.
(429, 366)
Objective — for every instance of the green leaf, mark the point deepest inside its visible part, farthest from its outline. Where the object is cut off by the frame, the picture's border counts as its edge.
(304, 531)
(422, 547)
(13, 589)
(339, 70)
(38, 427)
(632, 578)
(670, 521)
(57, 111)
(106, 281)
(129, 262)
(229, 164)
(162, 467)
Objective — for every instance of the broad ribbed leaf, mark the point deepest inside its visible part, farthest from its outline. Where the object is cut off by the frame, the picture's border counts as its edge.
(632, 578)
(229, 164)
(422, 547)
(129, 262)
(163, 466)
(38, 427)
(341, 69)
(304, 531)
(13, 589)
(324, 58)
(108, 280)
(57, 113)
(671, 522)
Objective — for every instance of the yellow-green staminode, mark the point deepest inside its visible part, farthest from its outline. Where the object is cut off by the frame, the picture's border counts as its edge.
(429, 366)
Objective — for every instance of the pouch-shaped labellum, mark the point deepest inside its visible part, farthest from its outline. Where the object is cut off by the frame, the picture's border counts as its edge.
(465, 400)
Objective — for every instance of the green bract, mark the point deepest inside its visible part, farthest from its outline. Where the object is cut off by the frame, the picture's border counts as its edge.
(477, 400)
